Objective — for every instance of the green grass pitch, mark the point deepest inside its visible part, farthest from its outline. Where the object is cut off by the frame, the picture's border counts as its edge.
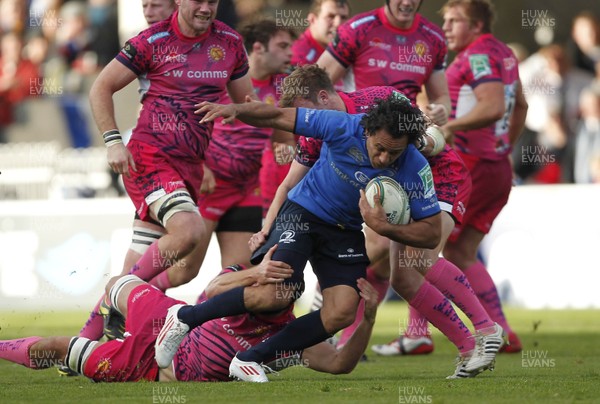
(560, 364)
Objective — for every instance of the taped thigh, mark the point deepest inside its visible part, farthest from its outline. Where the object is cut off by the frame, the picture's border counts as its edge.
(167, 205)
(142, 238)
(79, 351)
(116, 289)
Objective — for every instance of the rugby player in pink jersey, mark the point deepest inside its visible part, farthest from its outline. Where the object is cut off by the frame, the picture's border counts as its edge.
(205, 354)
(452, 187)
(231, 204)
(144, 233)
(488, 114)
(157, 10)
(323, 18)
(185, 59)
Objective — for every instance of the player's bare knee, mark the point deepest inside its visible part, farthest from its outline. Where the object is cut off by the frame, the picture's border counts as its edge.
(340, 317)
(186, 232)
(178, 213)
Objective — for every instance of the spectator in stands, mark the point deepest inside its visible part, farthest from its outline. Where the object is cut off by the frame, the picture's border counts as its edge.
(104, 24)
(12, 16)
(17, 75)
(585, 45)
(552, 87)
(73, 43)
(587, 142)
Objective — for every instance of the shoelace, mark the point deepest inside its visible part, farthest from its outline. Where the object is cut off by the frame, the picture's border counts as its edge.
(268, 370)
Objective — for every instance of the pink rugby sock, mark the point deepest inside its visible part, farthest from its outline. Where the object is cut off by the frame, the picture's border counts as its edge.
(17, 351)
(418, 326)
(439, 311)
(381, 286)
(485, 289)
(161, 281)
(152, 263)
(94, 326)
(453, 283)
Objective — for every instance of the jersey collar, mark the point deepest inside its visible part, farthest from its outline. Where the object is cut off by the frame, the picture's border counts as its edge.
(313, 41)
(175, 25)
(388, 25)
(479, 39)
(350, 105)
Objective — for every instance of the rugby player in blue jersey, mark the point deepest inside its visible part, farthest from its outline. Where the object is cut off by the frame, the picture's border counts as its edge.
(321, 221)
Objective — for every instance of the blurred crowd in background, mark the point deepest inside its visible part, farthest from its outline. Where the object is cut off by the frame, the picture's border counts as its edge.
(53, 49)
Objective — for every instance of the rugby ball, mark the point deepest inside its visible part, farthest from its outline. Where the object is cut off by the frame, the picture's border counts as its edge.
(392, 197)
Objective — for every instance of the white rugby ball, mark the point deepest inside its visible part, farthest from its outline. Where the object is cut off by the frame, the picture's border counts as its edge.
(392, 196)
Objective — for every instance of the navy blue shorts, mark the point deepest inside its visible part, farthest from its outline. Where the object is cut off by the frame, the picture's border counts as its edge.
(338, 256)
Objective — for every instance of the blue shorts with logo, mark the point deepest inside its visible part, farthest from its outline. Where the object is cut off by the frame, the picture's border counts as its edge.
(338, 256)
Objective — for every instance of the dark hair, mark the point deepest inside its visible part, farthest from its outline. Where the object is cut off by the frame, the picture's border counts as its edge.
(305, 82)
(316, 5)
(397, 116)
(262, 31)
(476, 11)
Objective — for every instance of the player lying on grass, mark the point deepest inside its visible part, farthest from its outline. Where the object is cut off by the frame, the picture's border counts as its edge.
(205, 353)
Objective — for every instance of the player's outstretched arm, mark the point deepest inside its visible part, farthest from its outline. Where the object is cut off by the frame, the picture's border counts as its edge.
(253, 113)
(267, 271)
(424, 233)
(324, 357)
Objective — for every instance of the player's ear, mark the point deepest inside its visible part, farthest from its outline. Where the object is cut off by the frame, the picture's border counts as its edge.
(258, 47)
(311, 18)
(477, 26)
(323, 97)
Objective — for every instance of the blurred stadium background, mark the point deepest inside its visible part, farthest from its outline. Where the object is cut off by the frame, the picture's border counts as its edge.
(65, 223)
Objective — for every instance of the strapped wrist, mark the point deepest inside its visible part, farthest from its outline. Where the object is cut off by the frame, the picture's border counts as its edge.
(112, 137)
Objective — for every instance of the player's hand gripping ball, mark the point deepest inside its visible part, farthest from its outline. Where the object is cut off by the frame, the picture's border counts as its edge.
(392, 197)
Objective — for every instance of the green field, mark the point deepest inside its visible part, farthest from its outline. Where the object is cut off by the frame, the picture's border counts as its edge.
(563, 366)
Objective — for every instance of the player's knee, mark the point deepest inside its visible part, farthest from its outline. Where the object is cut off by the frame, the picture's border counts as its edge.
(340, 318)
(187, 235)
(178, 213)
(111, 283)
(403, 285)
(456, 253)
